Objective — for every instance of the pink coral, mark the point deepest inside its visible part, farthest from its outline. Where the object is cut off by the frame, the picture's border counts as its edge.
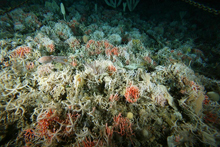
(132, 94)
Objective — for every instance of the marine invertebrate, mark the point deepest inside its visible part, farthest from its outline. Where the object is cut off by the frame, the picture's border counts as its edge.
(30, 65)
(111, 69)
(94, 47)
(28, 136)
(132, 94)
(109, 132)
(112, 51)
(88, 142)
(211, 117)
(45, 69)
(51, 47)
(115, 39)
(21, 51)
(50, 126)
(112, 3)
(15, 89)
(162, 96)
(96, 68)
(113, 98)
(123, 126)
(73, 42)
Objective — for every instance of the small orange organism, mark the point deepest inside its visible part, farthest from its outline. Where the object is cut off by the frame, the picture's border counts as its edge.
(21, 51)
(132, 94)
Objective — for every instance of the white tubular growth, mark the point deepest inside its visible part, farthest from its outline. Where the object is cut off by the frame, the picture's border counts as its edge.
(113, 3)
(132, 4)
(63, 10)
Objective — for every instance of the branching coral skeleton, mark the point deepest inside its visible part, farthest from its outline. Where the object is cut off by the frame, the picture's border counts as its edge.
(199, 125)
(15, 90)
(12, 106)
(71, 127)
(84, 132)
(39, 111)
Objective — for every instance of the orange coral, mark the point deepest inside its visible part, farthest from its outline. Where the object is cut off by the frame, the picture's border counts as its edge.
(51, 127)
(111, 69)
(123, 126)
(132, 94)
(21, 51)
